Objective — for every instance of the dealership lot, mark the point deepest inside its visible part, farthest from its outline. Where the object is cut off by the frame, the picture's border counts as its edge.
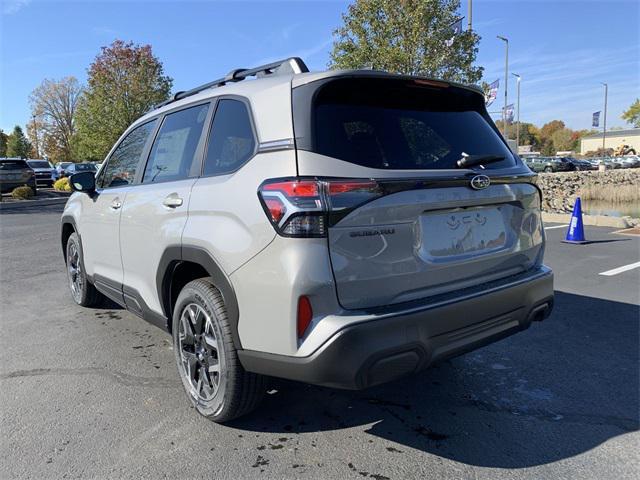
(94, 393)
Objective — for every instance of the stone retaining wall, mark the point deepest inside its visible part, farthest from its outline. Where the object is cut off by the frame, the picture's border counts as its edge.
(561, 189)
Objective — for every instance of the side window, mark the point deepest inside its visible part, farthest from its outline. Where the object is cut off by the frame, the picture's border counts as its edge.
(231, 141)
(122, 164)
(174, 149)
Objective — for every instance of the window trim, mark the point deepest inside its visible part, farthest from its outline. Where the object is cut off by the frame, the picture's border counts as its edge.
(143, 154)
(254, 131)
(196, 166)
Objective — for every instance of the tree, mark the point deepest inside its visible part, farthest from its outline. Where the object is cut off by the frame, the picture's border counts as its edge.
(124, 82)
(413, 37)
(3, 143)
(549, 128)
(563, 140)
(17, 144)
(53, 107)
(632, 115)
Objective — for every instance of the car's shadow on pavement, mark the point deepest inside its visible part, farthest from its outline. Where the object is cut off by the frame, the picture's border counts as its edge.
(552, 392)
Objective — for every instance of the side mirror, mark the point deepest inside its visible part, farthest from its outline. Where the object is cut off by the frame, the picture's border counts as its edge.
(83, 182)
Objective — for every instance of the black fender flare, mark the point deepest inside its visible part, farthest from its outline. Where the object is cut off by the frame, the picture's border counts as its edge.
(68, 220)
(175, 254)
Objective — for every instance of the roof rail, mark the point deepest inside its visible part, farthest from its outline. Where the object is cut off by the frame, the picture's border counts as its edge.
(289, 66)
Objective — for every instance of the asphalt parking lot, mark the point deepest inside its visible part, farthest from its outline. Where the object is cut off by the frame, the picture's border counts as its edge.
(94, 393)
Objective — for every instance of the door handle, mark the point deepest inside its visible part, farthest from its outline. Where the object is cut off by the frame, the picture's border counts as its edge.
(116, 204)
(172, 201)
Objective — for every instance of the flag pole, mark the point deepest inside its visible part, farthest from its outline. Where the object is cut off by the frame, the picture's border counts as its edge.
(604, 130)
(469, 13)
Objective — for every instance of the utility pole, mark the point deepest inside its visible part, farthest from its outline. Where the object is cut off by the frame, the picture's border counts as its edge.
(604, 130)
(35, 134)
(506, 82)
(518, 113)
(469, 13)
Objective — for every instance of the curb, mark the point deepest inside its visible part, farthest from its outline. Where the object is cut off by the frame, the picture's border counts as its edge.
(32, 203)
(591, 220)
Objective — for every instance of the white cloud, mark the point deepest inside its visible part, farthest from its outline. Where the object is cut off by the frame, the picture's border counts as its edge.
(9, 7)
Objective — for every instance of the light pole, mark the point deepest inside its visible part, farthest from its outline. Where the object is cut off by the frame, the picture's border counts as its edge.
(506, 82)
(518, 113)
(604, 130)
(35, 134)
(470, 12)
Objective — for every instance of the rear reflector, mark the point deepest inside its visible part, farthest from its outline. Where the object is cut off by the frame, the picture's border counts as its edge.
(305, 314)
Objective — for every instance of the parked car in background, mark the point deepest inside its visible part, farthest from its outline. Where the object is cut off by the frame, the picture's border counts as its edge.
(548, 164)
(15, 172)
(60, 167)
(577, 165)
(44, 172)
(79, 167)
(631, 161)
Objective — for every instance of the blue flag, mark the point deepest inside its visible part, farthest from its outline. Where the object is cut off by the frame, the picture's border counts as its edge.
(596, 119)
(508, 113)
(492, 93)
(457, 30)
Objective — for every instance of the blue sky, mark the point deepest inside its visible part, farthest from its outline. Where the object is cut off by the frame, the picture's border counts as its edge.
(562, 49)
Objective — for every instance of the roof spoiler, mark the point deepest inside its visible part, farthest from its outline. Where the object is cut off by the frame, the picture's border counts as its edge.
(287, 66)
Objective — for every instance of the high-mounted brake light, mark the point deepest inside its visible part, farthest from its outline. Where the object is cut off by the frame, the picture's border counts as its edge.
(304, 207)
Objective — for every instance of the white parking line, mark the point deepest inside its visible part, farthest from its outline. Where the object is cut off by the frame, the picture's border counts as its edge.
(618, 270)
(556, 226)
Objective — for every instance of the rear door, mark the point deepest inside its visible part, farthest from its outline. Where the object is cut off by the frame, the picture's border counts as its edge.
(426, 228)
(156, 209)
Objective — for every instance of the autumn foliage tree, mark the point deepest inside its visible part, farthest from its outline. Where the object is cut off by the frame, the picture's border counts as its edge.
(124, 82)
(53, 110)
(406, 36)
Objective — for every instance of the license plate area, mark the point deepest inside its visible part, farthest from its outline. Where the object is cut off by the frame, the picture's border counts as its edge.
(462, 233)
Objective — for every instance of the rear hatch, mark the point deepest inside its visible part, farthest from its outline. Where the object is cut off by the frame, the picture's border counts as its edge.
(14, 171)
(412, 224)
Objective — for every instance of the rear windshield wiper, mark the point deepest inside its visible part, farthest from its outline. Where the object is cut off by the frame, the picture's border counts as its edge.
(471, 160)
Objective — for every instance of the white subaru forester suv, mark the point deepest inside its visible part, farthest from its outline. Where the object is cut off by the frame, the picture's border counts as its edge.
(341, 228)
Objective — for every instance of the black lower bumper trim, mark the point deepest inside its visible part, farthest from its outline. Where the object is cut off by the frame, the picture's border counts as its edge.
(377, 351)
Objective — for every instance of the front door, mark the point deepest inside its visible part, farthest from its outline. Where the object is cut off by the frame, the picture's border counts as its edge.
(100, 228)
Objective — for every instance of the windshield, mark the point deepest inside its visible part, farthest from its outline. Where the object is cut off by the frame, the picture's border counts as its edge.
(38, 164)
(85, 166)
(401, 124)
(13, 164)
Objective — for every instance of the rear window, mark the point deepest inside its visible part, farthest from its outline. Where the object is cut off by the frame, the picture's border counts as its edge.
(401, 124)
(13, 164)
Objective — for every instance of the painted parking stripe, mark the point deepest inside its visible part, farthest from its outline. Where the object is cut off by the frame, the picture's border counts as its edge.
(624, 268)
(556, 226)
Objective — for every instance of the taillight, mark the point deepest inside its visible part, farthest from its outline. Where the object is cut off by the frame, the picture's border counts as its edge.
(306, 208)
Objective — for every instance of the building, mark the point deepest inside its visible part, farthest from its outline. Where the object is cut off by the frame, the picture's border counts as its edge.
(614, 139)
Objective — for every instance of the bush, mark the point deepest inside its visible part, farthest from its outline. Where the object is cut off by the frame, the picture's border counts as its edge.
(23, 192)
(62, 184)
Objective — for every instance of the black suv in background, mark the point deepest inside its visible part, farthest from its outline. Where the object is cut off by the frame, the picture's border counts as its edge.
(15, 172)
(577, 165)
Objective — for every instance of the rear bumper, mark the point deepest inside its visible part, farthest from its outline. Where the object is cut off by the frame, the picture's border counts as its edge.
(393, 345)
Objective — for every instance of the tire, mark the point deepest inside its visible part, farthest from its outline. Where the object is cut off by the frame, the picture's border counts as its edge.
(548, 169)
(82, 291)
(214, 380)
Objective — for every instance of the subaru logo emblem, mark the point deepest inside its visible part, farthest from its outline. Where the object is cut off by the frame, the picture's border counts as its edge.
(480, 182)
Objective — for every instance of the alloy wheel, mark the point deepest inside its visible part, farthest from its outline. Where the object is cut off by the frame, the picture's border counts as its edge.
(74, 267)
(200, 352)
